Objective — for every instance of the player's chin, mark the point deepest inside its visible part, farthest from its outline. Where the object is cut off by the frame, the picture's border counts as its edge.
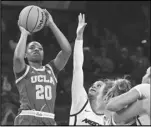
(36, 59)
(92, 93)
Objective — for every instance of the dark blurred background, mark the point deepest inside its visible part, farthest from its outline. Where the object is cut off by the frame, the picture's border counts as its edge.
(116, 43)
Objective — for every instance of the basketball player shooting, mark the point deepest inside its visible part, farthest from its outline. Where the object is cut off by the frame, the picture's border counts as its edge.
(37, 83)
(84, 108)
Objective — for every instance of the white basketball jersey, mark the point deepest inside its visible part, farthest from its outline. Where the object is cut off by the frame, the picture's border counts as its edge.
(87, 117)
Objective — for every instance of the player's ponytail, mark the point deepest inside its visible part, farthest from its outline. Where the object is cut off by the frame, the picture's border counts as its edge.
(119, 87)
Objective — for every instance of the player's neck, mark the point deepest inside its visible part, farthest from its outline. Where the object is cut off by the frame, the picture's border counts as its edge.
(95, 105)
(35, 65)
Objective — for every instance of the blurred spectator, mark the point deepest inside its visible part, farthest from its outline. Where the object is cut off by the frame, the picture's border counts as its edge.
(110, 38)
(146, 11)
(106, 65)
(139, 59)
(10, 102)
(71, 31)
(141, 63)
(7, 95)
(93, 33)
(124, 64)
(12, 45)
(7, 55)
(87, 66)
(3, 26)
(9, 112)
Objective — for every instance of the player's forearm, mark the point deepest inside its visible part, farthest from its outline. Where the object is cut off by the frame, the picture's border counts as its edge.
(21, 47)
(62, 40)
(119, 102)
(78, 54)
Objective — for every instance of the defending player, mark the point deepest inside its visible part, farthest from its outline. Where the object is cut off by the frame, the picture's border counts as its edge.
(137, 100)
(120, 86)
(37, 83)
(85, 109)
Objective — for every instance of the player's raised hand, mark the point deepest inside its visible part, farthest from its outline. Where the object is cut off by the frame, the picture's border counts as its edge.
(81, 25)
(49, 18)
(23, 30)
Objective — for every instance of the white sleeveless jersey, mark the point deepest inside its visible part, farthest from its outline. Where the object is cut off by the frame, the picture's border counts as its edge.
(144, 120)
(131, 123)
(87, 117)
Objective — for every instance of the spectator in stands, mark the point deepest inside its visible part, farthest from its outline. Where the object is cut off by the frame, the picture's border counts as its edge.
(9, 96)
(141, 63)
(106, 65)
(124, 64)
(10, 102)
(9, 112)
(139, 59)
(88, 63)
(7, 54)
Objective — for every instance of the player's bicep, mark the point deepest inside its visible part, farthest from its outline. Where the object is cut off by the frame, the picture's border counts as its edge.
(79, 95)
(61, 60)
(18, 65)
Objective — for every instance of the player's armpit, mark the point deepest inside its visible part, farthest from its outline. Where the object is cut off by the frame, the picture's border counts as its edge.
(79, 95)
(19, 76)
(53, 67)
(18, 65)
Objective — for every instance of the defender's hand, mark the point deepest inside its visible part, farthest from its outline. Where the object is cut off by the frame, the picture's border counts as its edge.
(81, 24)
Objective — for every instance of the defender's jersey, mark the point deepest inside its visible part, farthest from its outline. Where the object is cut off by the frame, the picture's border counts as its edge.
(131, 123)
(87, 117)
(37, 88)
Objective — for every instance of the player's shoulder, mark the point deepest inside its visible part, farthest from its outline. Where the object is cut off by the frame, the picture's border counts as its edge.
(143, 85)
(51, 66)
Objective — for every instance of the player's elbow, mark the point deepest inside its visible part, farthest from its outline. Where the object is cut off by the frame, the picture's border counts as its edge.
(68, 51)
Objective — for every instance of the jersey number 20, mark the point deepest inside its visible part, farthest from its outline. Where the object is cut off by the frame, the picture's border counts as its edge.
(43, 92)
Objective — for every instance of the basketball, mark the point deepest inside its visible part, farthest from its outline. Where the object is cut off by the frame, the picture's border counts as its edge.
(32, 18)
